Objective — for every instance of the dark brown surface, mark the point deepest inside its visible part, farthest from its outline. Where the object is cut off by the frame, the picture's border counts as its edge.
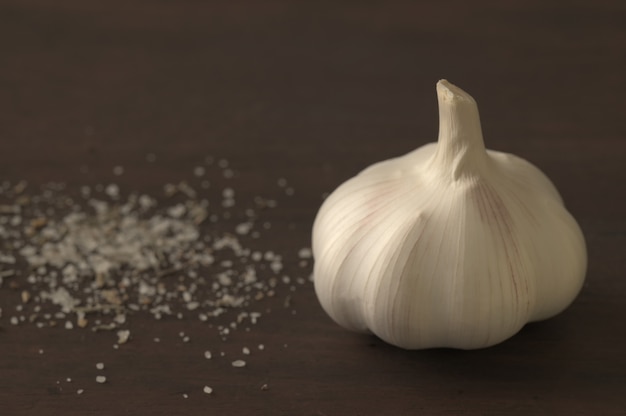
(313, 93)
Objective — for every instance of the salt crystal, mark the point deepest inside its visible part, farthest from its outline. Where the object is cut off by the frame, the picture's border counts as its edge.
(207, 354)
(238, 363)
(118, 170)
(112, 190)
(177, 211)
(305, 253)
(243, 228)
(276, 266)
(198, 171)
(145, 202)
(25, 295)
(122, 336)
(254, 316)
(100, 366)
(207, 390)
(101, 379)
(246, 350)
(79, 391)
(224, 279)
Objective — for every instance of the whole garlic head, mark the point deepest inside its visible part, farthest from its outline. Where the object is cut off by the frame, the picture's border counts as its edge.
(451, 245)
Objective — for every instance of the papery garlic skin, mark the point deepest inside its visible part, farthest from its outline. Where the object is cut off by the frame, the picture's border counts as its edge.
(451, 245)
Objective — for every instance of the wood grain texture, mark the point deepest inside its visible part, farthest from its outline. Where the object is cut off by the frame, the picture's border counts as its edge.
(314, 92)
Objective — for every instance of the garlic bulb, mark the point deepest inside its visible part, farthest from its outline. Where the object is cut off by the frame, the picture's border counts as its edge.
(451, 245)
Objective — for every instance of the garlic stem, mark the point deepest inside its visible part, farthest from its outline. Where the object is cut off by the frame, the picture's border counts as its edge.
(460, 149)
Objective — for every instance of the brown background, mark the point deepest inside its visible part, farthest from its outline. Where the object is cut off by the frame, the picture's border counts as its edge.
(314, 92)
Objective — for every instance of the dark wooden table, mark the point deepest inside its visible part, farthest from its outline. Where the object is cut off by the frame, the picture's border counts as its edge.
(313, 92)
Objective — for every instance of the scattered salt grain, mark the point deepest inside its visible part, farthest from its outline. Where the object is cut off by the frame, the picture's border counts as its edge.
(7, 258)
(185, 396)
(177, 211)
(112, 190)
(79, 391)
(25, 295)
(122, 336)
(101, 379)
(305, 253)
(207, 390)
(199, 171)
(243, 228)
(105, 257)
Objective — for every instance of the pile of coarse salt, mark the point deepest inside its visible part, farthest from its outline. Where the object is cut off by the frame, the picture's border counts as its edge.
(93, 259)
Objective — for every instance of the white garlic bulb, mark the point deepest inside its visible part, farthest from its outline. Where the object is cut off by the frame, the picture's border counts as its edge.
(451, 245)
